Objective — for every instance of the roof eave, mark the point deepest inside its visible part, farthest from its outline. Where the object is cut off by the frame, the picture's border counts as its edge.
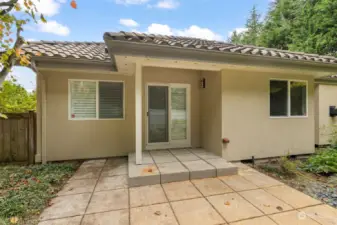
(118, 47)
(45, 62)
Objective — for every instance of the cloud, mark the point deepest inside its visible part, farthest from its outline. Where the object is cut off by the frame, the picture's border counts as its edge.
(47, 7)
(192, 31)
(199, 32)
(167, 4)
(53, 27)
(131, 2)
(238, 30)
(128, 23)
(156, 28)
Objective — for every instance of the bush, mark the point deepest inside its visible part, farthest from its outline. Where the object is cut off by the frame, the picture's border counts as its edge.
(324, 162)
(289, 167)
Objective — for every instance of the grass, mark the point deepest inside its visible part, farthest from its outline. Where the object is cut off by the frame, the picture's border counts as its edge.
(26, 190)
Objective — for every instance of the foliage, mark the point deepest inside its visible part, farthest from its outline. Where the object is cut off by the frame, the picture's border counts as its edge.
(295, 25)
(235, 38)
(26, 190)
(324, 162)
(13, 17)
(288, 167)
(15, 99)
(251, 36)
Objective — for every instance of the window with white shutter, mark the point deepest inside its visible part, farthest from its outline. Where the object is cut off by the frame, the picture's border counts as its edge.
(96, 100)
(83, 99)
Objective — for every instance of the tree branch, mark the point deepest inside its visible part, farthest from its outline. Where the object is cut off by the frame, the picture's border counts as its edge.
(10, 5)
(12, 58)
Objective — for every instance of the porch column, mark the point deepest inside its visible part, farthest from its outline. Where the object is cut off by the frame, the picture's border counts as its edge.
(138, 112)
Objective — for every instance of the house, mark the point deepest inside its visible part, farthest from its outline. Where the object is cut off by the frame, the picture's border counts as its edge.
(325, 109)
(138, 92)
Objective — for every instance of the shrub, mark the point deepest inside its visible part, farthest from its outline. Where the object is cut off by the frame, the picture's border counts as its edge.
(324, 162)
(288, 166)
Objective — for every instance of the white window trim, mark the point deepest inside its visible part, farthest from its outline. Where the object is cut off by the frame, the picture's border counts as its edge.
(97, 99)
(289, 99)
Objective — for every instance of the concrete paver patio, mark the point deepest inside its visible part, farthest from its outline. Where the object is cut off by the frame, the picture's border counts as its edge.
(99, 194)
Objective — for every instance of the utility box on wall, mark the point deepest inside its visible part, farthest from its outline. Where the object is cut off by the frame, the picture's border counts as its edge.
(333, 111)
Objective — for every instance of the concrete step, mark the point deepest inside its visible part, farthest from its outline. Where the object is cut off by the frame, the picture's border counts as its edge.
(164, 166)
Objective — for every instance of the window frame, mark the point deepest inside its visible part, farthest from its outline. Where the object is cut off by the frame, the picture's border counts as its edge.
(97, 99)
(289, 98)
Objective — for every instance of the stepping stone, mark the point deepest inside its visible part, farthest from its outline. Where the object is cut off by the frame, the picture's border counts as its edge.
(201, 153)
(171, 172)
(146, 158)
(200, 169)
(223, 168)
(140, 175)
(162, 156)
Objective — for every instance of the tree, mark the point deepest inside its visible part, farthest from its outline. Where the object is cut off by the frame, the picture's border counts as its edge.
(315, 29)
(13, 17)
(302, 25)
(253, 29)
(15, 99)
(253, 25)
(235, 38)
(277, 29)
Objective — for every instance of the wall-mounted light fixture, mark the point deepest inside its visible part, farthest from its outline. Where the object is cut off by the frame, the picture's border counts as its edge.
(203, 82)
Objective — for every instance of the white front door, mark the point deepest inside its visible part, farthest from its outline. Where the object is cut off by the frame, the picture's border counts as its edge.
(168, 116)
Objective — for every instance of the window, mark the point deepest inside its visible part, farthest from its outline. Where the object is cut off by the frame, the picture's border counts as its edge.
(288, 98)
(96, 99)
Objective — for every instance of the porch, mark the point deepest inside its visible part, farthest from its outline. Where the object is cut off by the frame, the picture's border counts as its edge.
(165, 166)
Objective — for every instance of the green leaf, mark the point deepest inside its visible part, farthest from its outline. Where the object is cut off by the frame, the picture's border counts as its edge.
(43, 19)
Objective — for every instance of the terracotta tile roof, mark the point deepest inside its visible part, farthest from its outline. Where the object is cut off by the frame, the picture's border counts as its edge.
(77, 50)
(196, 43)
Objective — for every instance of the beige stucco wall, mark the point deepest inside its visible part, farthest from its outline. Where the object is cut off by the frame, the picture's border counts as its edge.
(210, 113)
(71, 139)
(246, 121)
(325, 96)
(166, 75)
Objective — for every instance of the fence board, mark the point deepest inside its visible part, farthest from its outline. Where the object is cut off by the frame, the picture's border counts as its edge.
(7, 140)
(18, 137)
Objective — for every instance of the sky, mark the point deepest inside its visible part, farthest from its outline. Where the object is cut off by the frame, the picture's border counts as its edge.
(208, 19)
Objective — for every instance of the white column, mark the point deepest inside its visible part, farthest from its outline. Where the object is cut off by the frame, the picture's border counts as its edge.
(138, 112)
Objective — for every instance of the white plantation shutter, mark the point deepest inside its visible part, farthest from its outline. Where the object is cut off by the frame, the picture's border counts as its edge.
(110, 100)
(83, 99)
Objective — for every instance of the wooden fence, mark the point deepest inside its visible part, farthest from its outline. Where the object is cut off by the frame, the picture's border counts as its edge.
(18, 137)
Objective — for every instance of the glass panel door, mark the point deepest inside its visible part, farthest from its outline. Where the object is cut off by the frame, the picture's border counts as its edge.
(158, 127)
(178, 113)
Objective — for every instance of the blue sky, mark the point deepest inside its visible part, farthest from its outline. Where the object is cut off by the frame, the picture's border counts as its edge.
(210, 19)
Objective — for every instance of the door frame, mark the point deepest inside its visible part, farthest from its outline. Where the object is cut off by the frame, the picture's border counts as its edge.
(170, 144)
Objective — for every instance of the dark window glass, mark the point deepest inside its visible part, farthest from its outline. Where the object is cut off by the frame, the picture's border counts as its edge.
(278, 98)
(158, 114)
(110, 100)
(298, 98)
